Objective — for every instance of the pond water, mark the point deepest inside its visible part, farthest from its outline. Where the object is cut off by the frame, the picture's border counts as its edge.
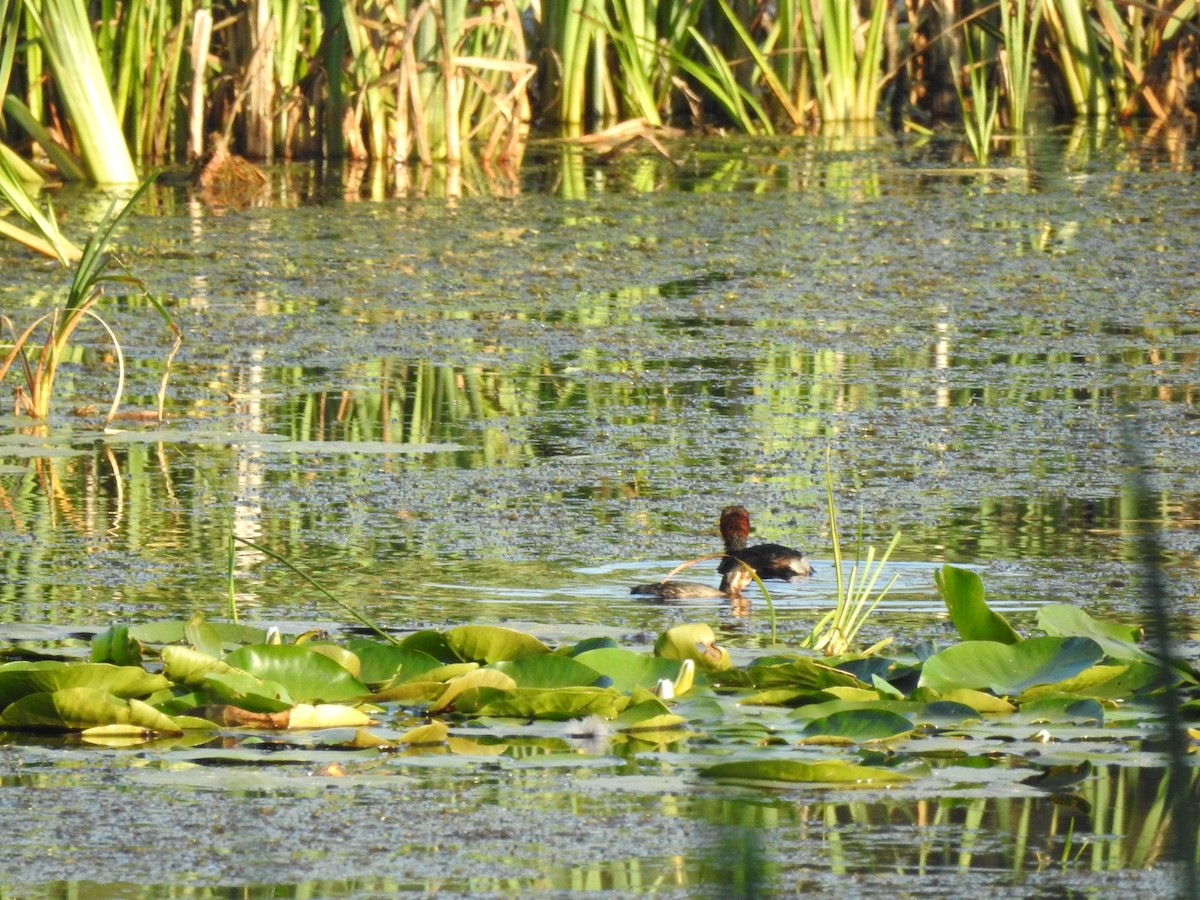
(505, 399)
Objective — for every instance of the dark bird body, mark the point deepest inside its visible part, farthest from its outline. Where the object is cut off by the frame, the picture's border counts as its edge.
(772, 562)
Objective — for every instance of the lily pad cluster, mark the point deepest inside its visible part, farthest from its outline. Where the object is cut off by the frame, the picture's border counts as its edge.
(784, 716)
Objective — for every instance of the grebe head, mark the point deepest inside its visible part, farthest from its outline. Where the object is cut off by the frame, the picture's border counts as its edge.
(735, 527)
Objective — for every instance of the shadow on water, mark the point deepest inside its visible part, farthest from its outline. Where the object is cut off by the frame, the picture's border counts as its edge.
(455, 400)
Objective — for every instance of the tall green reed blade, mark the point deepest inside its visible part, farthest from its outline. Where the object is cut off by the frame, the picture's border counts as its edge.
(1081, 66)
(836, 632)
(45, 238)
(979, 114)
(846, 84)
(1019, 26)
(66, 38)
(719, 80)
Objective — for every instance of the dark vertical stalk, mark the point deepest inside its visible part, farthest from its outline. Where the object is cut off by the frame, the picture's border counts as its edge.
(1154, 590)
(335, 54)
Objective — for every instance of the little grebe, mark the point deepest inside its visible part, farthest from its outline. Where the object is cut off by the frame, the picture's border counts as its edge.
(771, 561)
(731, 586)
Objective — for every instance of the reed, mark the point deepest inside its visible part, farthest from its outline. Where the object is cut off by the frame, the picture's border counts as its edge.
(1019, 27)
(66, 38)
(92, 272)
(981, 100)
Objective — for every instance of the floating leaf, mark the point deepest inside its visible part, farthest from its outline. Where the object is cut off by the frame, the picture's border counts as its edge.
(962, 591)
(117, 647)
(1008, 669)
(694, 641)
(476, 678)
(202, 636)
(308, 675)
(189, 667)
(326, 715)
(425, 735)
(232, 634)
(1118, 641)
(532, 703)
(550, 671)
(431, 643)
(791, 770)
(629, 670)
(347, 659)
(22, 678)
(77, 708)
(649, 715)
(243, 690)
(490, 643)
(858, 726)
(382, 663)
(803, 673)
(1102, 682)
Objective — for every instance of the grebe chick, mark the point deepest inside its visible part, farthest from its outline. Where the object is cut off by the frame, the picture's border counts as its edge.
(731, 587)
(771, 561)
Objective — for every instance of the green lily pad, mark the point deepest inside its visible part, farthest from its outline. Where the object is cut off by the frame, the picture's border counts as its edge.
(1118, 641)
(791, 770)
(308, 675)
(232, 634)
(629, 670)
(431, 643)
(490, 643)
(694, 641)
(243, 690)
(1008, 669)
(549, 671)
(803, 673)
(858, 726)
(77, 708)
(962, 591)
(202, 636)
(534, 703)
(189, 667)
(117, 647)
(22, 678)
(382, 663)
(649, 715)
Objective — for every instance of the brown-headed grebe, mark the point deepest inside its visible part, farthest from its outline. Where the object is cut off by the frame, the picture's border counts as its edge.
(771, 561)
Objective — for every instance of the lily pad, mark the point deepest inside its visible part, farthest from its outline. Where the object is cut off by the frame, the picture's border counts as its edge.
(962, 591)
(791, 770)
(22, 678)
(490, 643)
(77, 708)
(550, 671)
(1008, 669)
(695, 641)
(308, 675)
(629, 670)
(858, 726)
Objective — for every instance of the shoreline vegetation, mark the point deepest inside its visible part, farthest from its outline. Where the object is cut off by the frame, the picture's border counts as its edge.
(429, 82)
